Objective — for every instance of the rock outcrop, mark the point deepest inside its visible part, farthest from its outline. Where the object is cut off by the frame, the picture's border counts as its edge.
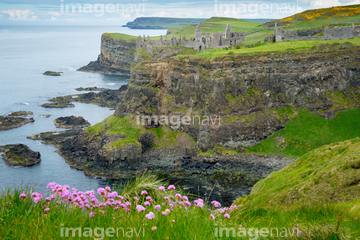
(71, 122)
(19, 155)
(115, 58)
(7, 123)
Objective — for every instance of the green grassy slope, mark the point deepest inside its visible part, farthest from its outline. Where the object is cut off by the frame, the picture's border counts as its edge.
(327, 174)
(308, 131)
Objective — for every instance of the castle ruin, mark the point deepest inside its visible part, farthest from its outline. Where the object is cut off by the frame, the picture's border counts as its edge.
(201, 41)
(343, 32)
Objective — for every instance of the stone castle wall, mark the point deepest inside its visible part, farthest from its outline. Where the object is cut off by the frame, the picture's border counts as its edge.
(201, 41)
(335, 33)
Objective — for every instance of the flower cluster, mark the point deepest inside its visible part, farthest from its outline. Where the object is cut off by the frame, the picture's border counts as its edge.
(97, 203)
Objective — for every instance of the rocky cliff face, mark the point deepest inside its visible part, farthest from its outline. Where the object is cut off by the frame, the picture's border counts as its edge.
(116, 56)
(246, 92)
(232, 102)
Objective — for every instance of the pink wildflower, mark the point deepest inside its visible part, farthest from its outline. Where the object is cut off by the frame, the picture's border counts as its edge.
(157, 207)
(199, 202)
(178, 196)
(153, 228)
(136, 199)
(101, 191)
(171, 187)
(216, 204)
(47, 209)
(108, 189)
(146, 203)
(226, 215)
(140, 208)
(151, 215)
(92, 214)
(212, 216)
(23, 195)
(162, 188)
(144, 192)
(148, 198)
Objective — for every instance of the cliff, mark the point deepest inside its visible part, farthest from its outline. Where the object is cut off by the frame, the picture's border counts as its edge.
(117, 54)
(233, 102)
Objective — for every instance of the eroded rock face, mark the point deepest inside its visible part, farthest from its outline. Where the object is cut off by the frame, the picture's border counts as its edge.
(115, 58)
(19, 155)
(245, 91)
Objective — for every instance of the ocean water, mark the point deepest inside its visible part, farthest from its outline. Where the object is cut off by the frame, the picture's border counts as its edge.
(27, 52)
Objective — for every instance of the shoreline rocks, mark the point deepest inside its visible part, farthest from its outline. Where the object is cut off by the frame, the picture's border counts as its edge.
(19, 155)
(7, 123)
(20, 114)
(71, 122)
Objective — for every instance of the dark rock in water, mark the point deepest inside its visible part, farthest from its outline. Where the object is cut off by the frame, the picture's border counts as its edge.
(90, 89)
(58, 105)
(55, 137)
(71, 122)
(20, 114)
(7, 123)
(19, 155)
(51, 73)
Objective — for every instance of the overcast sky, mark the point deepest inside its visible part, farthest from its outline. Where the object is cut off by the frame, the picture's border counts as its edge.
(117, 12)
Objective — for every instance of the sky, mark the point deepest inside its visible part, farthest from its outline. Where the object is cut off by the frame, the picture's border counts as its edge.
(119, 12)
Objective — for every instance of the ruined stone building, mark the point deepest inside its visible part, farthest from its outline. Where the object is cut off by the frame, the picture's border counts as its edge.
(343, 32)
(201, 41)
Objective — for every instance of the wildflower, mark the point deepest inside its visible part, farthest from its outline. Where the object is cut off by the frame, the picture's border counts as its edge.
(173, 221)
(90, 193)
(216, 204)
(151, 215)
(162, 188)
(199, 202)
(37, 199)
(154, 228)
(127, 204)
(212, 216)
(23, 195)
(101, 191)
(226, 215)
(185, 198)
(140, 208)
(148, 198)
(178, 196)
(92, 214)
(136, 199)
(298, 231)
(74, 190)
(51, 185)
(157, 207)
(144, 192)
(187, 203)
(146, 203)
(164, 213)
(171, 187)
(167, 199)
(167, 211)
(120, 198)
(108, 189)
(47, 209)
(48, 199)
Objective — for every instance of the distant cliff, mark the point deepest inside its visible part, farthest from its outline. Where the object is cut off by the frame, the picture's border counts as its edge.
(117, 54)
(161, 23)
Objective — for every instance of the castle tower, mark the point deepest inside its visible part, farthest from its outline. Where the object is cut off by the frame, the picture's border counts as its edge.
(228, 31)
(198, 33)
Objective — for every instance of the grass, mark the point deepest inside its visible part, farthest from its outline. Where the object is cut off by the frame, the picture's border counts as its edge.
(287, 46)
(307, 131)
(24, 219)
(129, 131)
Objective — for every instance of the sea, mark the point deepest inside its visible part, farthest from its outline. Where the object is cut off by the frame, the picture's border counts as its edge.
(25, 54)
